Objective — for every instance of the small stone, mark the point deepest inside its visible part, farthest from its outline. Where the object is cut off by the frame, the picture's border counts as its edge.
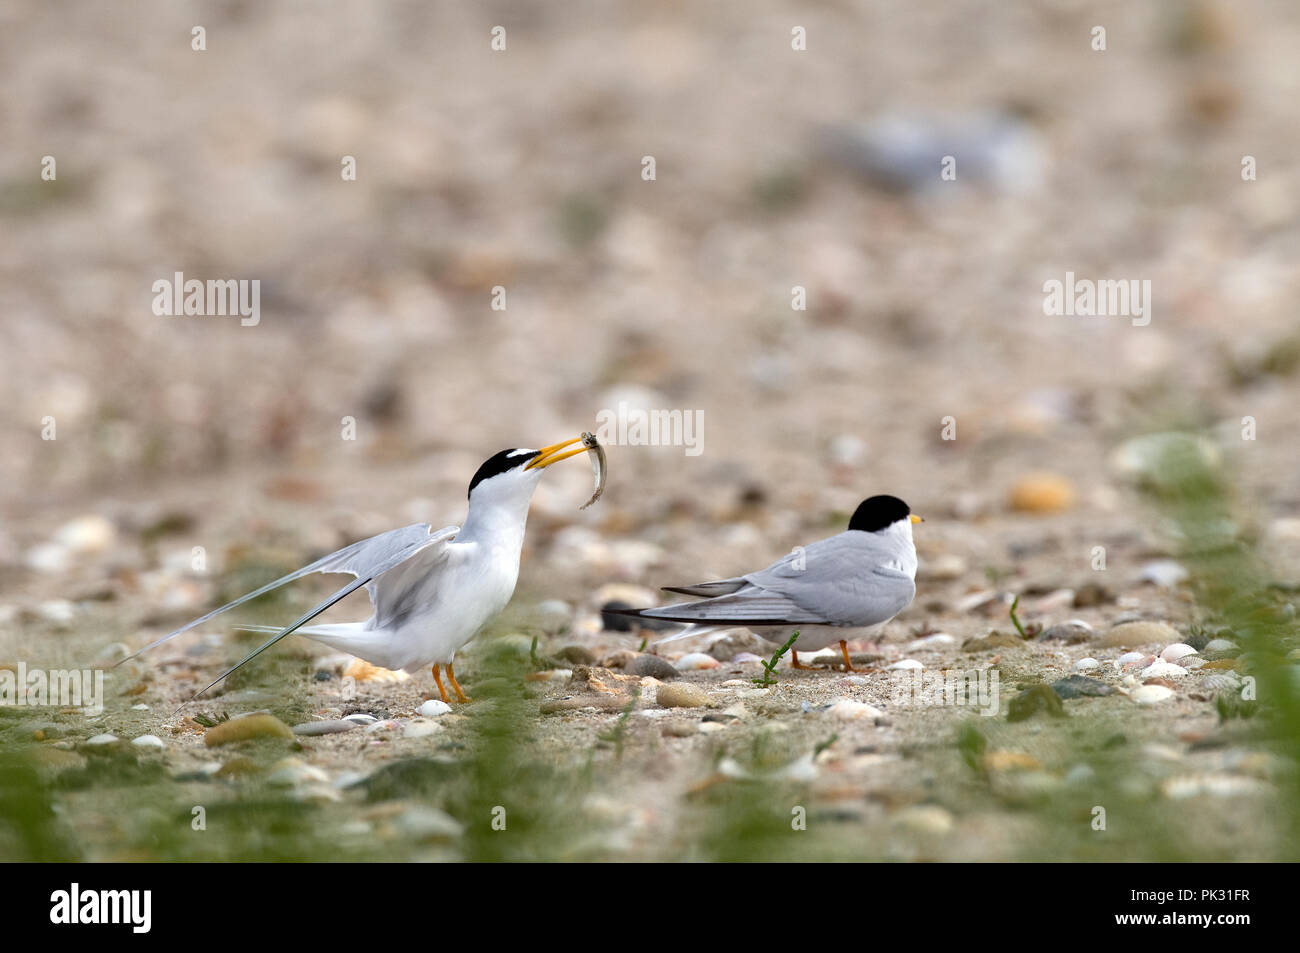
(1130, 634)
(1071, 632)
(1222, 665)
(1163, 572)
(935, 642)
(847, 710)
(104, 739)
(1036, 699)
(1178, 650)
(925, 819)
(148, 741)
(140, 707)
(680, 729)
(1152, 694)
(292, 772)
(313, 728)
(423, 823)
(694, 662)
(360, 718)
(906, 665)
(245, 728)
(681, 695)
(1215, 646)
(86, 534)
(1215, 785)
(944, 568)
(1087, 665)
(992, 641)
(593, 700)
(578, 655)
(420, 728)
(998, 761)
(1041, 493)
(745, 658)
(1077, 686)
(1092, 594)
(435, 707)
(653, 666)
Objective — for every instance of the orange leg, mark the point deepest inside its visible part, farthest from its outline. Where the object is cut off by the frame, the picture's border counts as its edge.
(451, 673)
(437, 677)
(794, 662)
(844, 647)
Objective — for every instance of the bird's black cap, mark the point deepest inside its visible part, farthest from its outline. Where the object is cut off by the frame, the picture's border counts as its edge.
(879, 512)
(500, 463)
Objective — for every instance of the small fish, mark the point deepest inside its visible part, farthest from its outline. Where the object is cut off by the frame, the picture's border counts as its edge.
(597, 466)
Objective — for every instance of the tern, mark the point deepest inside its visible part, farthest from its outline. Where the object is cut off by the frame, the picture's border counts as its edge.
(829, 591)
(432, 590)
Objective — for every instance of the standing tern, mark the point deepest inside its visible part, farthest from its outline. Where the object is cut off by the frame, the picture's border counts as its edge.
(829, 591)
(432, 590)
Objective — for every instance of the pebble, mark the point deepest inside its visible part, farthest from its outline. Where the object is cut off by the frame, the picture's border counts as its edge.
(1140, 633)
(1079, 775)
(1178, 650)
(1219, 645)
(86, 534)
(578, 655)
(1041, 493)
(1071, 632)
(939, 640)
(422, 823)
(1036, 699)
(435, 707)
(1161, 669)
(907, 664)
(944, 568)
(313, 728)
(148, 741)
(1078, 686)
(1087, 665)
(140, 707)
(991, 642)
(104, 739)
(681, 695)
(1216, 785)
(1010, 761)
(1163, 572)
(746, 658)
(847, 710)
(925, 819)
(242, 729)
(1152, 694)
(553, 615)
(360, 718)
(651, 665)
(694, 662)
(292, 772)
(420, 728)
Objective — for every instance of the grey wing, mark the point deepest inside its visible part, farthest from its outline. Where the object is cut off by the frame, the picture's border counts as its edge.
(359, 559)
(849, 579)
(845, 580)
(722, 587)
(370, 570)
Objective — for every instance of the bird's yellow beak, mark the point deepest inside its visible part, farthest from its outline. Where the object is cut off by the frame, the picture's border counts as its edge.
(917, 519)
(556, 452)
